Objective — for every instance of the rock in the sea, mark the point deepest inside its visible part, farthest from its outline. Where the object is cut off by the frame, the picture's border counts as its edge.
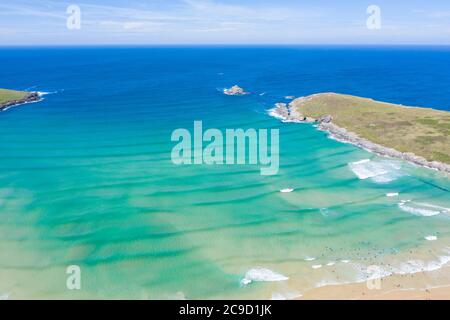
(234, 91)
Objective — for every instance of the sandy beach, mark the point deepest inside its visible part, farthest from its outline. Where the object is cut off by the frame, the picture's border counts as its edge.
(430, 285)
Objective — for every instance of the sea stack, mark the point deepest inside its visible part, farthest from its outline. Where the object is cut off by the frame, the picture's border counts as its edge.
(234, 91)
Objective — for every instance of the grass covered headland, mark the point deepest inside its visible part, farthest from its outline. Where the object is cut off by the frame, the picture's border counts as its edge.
(424, 132)
(10, 98)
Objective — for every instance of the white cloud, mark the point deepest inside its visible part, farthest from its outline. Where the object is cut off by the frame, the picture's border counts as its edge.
(439, 14)
(214, 21)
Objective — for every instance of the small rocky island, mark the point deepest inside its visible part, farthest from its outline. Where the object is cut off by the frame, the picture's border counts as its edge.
(10, 98)
(418, 135)
(234, 91)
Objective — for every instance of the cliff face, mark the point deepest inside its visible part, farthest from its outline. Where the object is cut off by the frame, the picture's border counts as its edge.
(30, 97)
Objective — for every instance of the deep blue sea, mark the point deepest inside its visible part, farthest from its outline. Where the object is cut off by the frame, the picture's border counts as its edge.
(86, 177)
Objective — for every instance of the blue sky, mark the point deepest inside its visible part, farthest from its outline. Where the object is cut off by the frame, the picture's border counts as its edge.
(44, 22)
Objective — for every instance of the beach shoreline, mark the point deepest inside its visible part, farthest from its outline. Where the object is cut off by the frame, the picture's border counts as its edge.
(289, 113)
(414, 286)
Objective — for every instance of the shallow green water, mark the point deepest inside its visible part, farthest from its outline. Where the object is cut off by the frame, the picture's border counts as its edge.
(86, 179)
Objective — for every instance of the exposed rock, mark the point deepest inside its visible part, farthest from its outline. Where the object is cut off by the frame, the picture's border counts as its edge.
(289, 114)
(325, 119)
(234, 91)
(343, 135)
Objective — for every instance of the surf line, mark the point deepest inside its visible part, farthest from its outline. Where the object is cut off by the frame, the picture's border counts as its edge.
(236, 146)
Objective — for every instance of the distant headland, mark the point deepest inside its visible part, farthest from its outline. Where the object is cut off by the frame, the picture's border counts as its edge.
(10, 98)
(418, 135)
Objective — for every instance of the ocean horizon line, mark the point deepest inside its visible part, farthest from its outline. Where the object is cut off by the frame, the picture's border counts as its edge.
(228, 45)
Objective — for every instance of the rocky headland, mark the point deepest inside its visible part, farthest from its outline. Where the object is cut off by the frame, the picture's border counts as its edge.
(26, 98)
(354, 126)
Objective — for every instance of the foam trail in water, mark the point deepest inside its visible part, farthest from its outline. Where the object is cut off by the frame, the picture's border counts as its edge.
(381, 171)
(310, 258)
(262, 274)
(275, 112)
(414, 266)
(422, 209)
(392, 194)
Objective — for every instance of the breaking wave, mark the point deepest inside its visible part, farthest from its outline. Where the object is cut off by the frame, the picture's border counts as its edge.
(262, 274)
(381, 171)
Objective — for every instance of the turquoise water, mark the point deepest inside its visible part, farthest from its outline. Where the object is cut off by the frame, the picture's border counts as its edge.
(86, 176)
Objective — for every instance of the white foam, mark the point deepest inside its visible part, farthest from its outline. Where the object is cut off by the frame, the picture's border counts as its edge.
(361, 273)
(361, 161)
(431, 238)
(316, 266)
(287, 190)
(285, 296)
(262, 274)
(4, 296)
(345, 261)
(392, 194)
(44, 93)
(261, 94)
(414, 266)
(331, 263)
(310, 258)
(274, 113)
(422, 209)
(380, 171)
